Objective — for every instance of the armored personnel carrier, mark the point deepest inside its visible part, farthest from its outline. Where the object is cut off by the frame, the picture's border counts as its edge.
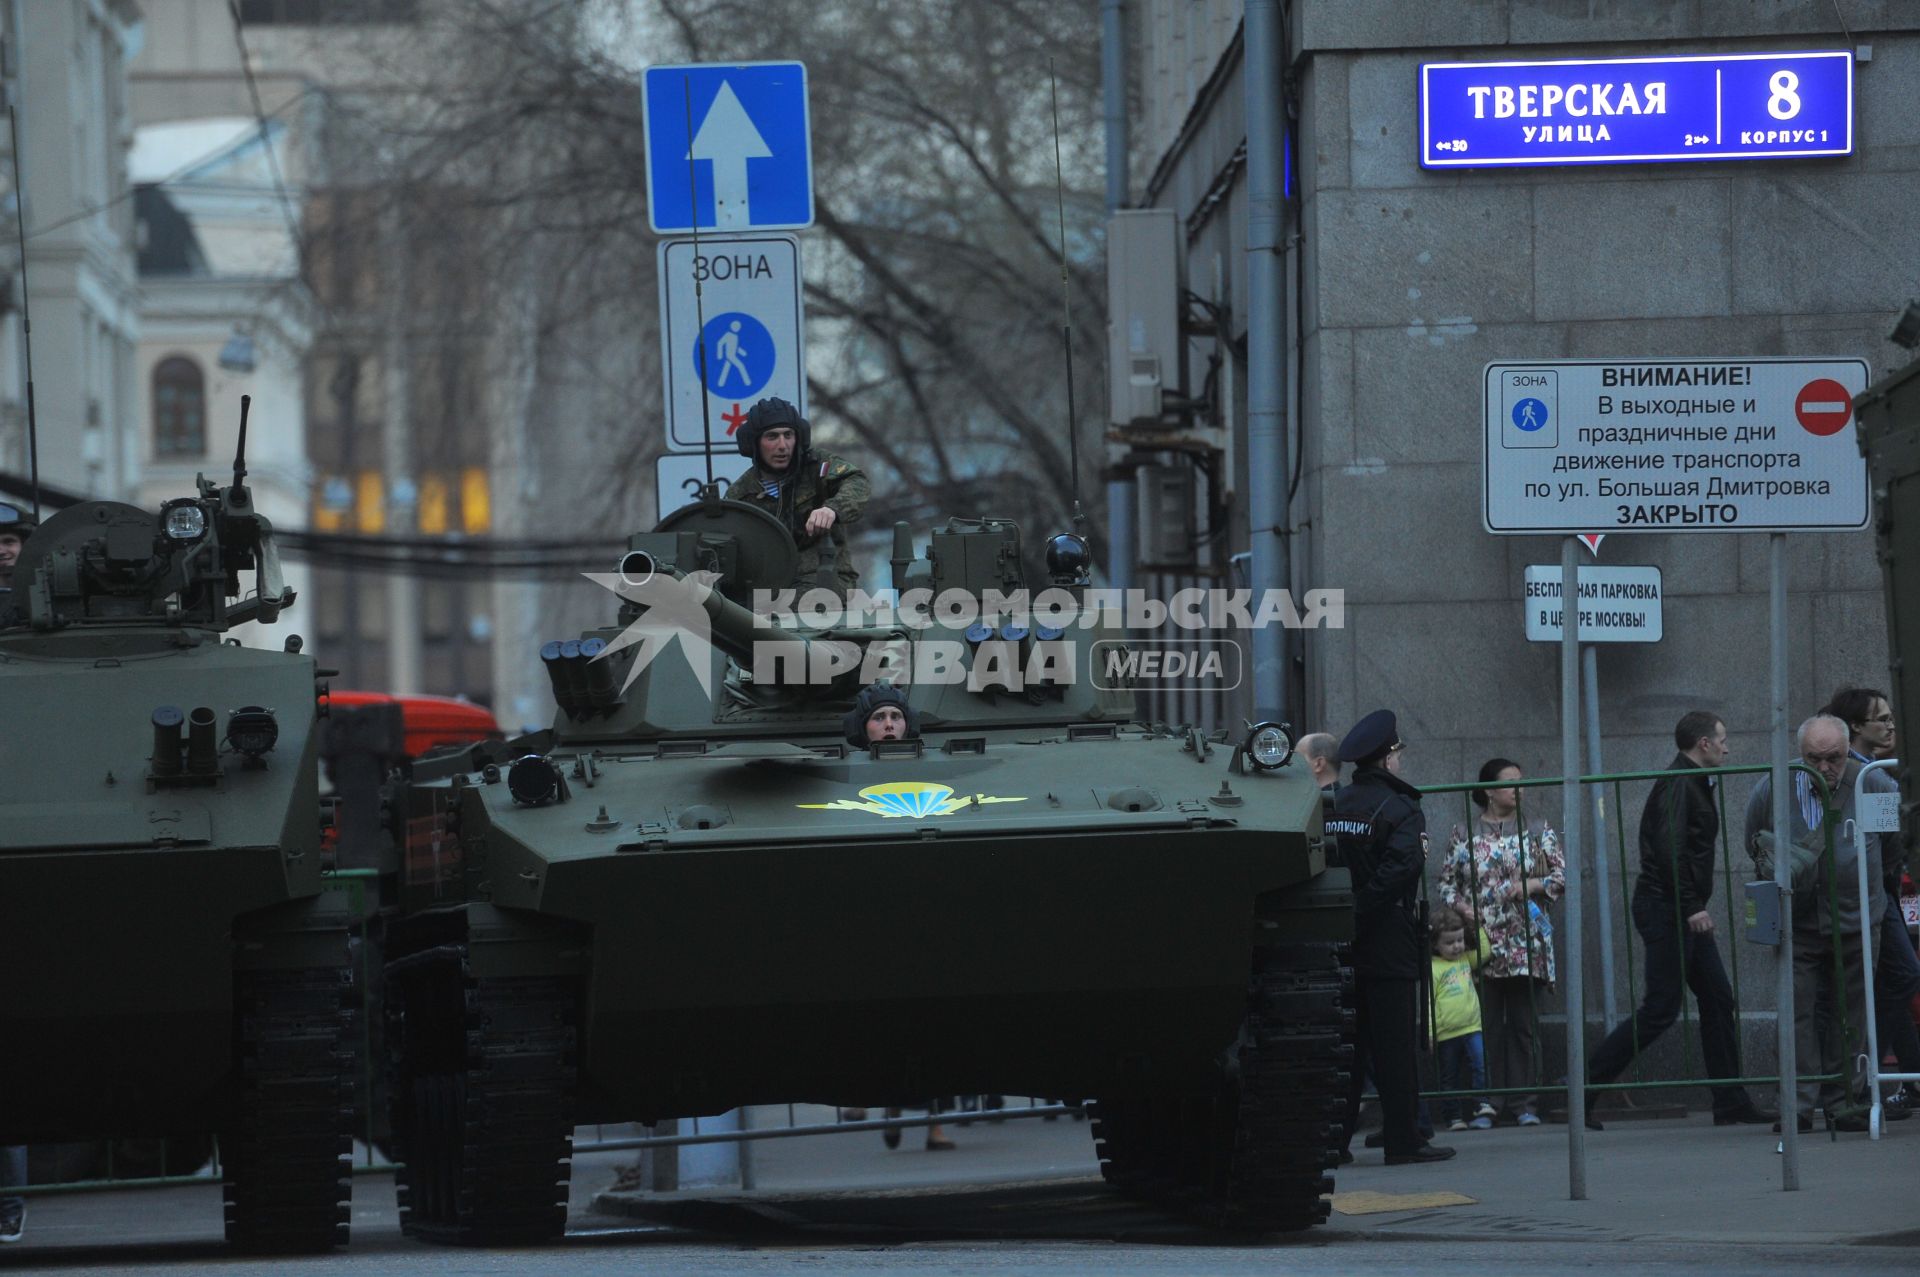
(694, 892)
(173, 966)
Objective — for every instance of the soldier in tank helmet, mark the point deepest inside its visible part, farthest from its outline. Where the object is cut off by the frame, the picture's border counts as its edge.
(16, 525)
(880, 712)
(815, 495)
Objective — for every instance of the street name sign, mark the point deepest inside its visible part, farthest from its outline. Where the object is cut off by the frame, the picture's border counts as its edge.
(742, 162)
(749, 322)
(1755, 444)
(678, 476)
(1743, 106)
(1617, 604)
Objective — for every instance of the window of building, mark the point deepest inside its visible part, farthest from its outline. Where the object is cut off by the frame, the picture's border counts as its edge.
(309, 13)
(179, 408)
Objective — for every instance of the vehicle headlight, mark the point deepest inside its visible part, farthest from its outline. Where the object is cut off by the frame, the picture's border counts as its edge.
(1269, 746)
(184, 521)
(252, 730)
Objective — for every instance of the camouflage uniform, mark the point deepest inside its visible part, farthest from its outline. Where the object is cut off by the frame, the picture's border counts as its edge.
(822, 480)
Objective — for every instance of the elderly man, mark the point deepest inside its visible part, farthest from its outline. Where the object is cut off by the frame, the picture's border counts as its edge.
(1322, 752)
(1824, 924)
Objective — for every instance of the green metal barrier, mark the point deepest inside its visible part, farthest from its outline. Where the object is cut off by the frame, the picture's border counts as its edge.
(1576, 1034)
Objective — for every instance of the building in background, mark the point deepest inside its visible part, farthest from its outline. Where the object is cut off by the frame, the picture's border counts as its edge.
(66, 68)
(223, 313)
(1402, 283)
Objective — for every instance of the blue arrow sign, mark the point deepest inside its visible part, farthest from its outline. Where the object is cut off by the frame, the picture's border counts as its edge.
(743, 161)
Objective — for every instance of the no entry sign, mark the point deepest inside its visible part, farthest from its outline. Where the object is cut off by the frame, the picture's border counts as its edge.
(1753, 444)
(1823, 406)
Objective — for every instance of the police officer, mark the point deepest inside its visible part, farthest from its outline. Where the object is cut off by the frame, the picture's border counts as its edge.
(815, 495)
(1379, 827)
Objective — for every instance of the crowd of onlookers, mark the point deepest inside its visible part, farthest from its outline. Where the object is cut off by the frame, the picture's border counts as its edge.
(1453, 962)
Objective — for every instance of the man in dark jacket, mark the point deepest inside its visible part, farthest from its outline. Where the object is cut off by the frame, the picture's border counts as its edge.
(1679, 828)
(1382, 833)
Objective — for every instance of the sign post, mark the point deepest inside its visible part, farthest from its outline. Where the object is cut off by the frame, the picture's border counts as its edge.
(1675, 445)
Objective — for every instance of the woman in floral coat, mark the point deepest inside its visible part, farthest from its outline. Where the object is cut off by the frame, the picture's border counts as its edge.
(1499, 873)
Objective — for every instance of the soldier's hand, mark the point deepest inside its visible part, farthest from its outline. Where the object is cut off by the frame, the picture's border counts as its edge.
(1700, 923)
(820, 520)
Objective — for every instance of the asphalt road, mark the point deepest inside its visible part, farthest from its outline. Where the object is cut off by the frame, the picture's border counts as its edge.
(1023, 1198)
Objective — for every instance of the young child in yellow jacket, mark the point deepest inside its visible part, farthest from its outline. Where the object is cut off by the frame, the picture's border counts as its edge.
(1456, 1017)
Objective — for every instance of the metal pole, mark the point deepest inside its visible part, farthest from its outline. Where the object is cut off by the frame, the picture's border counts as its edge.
(1782, 862)
(1573, 799)
(1876, 1125)
(1121, 551)
(1266, 350)
(1602, 897)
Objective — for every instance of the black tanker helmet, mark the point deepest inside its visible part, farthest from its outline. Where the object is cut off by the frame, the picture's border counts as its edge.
(764, 416)
(871, 698)
(16, 519)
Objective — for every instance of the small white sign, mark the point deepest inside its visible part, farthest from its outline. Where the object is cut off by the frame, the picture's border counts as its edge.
(678, 476)
(1877, 813)
(1673, 445)
(1617, 604)
(746, 325)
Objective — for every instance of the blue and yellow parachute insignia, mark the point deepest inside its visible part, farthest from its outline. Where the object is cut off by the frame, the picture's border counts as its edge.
(909, 798)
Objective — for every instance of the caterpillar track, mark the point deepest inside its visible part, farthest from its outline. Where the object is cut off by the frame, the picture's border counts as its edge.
(1252, 1152)
(481, 1093)
(288, 1144)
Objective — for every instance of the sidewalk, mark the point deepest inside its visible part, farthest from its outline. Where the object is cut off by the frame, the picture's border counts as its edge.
(1673, 1180)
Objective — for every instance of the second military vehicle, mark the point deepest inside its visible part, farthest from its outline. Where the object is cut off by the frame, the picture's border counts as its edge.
(696, 892)
(173, 964)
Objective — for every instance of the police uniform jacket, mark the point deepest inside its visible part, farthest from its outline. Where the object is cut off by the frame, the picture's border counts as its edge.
(1378, 826)
(820, 480)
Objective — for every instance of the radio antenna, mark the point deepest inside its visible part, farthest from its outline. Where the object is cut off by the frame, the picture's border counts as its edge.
(238, 492)
(1066, 309)
(699, 303)
(26, 312)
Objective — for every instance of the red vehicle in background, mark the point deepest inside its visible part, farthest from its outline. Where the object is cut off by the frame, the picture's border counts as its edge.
(430, 722)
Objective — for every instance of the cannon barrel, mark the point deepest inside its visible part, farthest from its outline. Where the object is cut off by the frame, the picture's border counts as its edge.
(734, 629)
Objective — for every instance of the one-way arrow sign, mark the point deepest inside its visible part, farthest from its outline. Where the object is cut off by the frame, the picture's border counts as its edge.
(743, 161)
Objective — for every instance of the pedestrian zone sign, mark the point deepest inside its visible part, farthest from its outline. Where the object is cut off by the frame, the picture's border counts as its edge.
(746, 324)
(1617, 604)
(743, 159)
(1749, 444)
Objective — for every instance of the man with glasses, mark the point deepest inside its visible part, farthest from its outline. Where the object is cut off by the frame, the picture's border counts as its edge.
(1679, 829)
(1826, 910)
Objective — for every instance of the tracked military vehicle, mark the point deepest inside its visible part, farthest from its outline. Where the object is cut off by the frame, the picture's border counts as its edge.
(694, 893)
(172, 964)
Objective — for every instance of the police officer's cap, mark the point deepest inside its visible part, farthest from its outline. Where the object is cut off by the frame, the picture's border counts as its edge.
(1371, 737)
(764, 416)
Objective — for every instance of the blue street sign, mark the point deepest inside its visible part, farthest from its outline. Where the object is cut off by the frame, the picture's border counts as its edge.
(1529, 415)
(740, 355)
(1636, 110)
(751, 156)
